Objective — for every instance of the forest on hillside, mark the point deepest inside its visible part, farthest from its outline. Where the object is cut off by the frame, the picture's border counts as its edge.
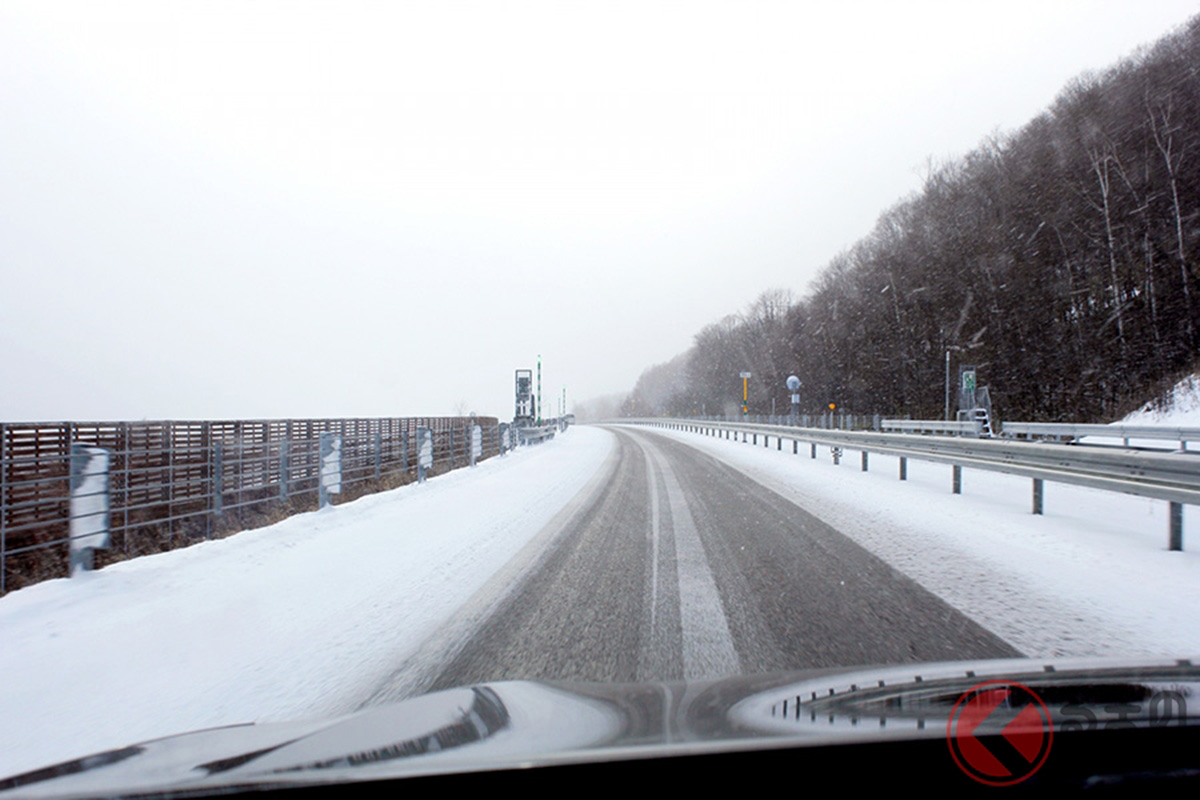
(1059, 259)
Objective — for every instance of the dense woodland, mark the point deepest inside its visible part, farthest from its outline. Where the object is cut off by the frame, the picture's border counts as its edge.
(1061, 259)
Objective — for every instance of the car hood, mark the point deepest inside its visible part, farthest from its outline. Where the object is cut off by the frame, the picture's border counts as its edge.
(528, 724)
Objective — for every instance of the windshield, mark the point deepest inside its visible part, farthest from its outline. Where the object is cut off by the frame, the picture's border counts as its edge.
(353, 352)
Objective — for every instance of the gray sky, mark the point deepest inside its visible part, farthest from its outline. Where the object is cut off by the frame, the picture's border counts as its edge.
(256, 209)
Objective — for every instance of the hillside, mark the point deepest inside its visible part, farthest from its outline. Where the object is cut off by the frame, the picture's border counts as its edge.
(1059, 259)
(1180, 406)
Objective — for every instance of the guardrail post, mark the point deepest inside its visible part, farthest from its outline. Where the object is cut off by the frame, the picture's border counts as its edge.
(1038, 495)
(779, 443)
(864, 460)
(957, 479)
(424, 452)
(1176, 537)
(755, 437)
(814, 450)
(89, 505)
(218, 484)
(3, 501)
(903, 468)
(283, 469)
(795, 446)
(329, 471)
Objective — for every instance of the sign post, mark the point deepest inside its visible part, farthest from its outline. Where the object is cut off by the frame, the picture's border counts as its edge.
(745, 392)
(966, 384)
(793, 385)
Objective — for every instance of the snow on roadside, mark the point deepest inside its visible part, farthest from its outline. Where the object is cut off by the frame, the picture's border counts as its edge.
(301, 618)
(1092, 577)
(1182, 408)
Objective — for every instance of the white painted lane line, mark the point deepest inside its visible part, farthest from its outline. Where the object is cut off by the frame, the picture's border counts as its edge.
(654, 535)
(708, 649)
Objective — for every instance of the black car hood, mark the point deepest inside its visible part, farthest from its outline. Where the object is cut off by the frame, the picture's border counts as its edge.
(511, 724)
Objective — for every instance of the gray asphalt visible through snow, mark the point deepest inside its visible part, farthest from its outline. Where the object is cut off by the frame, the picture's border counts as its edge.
(674, 565)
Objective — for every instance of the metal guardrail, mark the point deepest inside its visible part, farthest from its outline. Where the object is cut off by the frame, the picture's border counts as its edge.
(838, 420)
(930, 426)
(1057, 431)
(1173, 477)
(1071, 431)
(533, 434)
(174, 483)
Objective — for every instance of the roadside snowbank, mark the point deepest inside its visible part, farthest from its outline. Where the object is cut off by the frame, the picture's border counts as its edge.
(302, 618)
(1182, 408)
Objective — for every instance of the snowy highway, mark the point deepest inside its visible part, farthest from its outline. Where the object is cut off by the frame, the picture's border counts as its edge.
(678, 566)
(613, 553)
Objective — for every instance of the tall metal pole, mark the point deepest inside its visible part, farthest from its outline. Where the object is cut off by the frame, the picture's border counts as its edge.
(539, 390)
(947, 417)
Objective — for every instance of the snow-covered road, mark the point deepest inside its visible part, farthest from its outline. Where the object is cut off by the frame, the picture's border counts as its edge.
(324, 612)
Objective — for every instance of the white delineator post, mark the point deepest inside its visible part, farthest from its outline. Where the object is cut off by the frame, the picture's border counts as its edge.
(88, 504)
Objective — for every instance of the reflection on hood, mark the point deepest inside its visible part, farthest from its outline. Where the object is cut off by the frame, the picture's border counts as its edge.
(519, 723)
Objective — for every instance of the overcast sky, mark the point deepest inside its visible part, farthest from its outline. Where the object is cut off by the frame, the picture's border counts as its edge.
(255, 209)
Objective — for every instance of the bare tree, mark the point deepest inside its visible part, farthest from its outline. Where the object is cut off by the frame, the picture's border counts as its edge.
(1164, 132)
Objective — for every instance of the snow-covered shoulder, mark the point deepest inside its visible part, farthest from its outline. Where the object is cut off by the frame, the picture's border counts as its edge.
(301, 618)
